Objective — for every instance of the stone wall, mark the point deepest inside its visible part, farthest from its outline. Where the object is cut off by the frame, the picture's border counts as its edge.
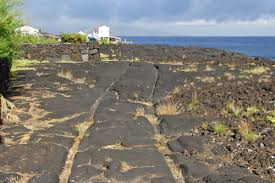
(163, 53)
(83, 52)
(125, 52)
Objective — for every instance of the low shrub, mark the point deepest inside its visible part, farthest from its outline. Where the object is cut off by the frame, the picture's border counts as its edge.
(72, 38)
(33, 39)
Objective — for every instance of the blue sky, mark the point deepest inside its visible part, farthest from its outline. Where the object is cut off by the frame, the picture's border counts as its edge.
(155, 17)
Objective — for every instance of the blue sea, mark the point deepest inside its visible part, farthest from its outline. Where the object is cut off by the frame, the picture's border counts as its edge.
(251, 46)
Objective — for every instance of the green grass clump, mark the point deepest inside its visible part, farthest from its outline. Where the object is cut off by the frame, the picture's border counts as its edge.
(219, 128)
(271, 119)
(251, 110)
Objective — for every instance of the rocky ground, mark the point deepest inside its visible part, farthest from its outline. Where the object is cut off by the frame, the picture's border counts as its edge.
(207, 122)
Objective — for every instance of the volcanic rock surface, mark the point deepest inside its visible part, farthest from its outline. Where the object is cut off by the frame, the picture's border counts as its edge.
(115, 122)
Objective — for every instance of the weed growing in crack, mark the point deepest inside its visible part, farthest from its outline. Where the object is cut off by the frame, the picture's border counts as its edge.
(140, 112)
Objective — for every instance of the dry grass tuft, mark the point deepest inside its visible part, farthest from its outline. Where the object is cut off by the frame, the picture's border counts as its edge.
(257, 70)
(67, 74)
(139, 112)
(177, 90)
(191, 68)
(208, 68)
(229, 76)
(194, 102)
(125, 167)
(206, 79)
(117, 146)
(82, 129)
(246, 132)
(168, 108)
(152, 119)
(160, 140)
(231, 108)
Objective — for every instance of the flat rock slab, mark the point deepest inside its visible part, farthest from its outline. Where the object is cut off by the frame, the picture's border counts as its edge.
(119, 147)
(187, 143)
(32, 159)
(138, 82)
(172, 125)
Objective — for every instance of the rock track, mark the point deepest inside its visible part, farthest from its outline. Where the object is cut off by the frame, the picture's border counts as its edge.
(97, 123)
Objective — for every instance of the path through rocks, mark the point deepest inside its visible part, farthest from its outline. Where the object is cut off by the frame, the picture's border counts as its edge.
(97, 122)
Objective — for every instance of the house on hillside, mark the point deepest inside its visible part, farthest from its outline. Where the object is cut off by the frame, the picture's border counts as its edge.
(103, 33)
(28, 30)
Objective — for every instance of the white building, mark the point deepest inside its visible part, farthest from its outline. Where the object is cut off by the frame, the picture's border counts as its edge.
(28, 30)
(101, 32)
(104, 32)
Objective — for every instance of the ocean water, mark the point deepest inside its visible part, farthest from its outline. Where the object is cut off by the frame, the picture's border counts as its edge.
(251, 46)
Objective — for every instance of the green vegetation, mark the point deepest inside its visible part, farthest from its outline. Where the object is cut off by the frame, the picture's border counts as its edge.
(220, 128)
(251, 110)
(271, 117)
(22, 64)
(104, 57)
(32, 39)
(205, 126)
(246, 132)
(104, 40)
(9, 21)
(72, 38)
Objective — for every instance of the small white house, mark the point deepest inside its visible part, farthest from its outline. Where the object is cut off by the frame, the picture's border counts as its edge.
(28, 30)
(101, 32)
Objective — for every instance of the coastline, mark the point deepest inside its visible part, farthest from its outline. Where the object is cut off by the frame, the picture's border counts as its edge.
(257, 46)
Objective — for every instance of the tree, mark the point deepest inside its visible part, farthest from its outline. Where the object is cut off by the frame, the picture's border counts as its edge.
(9, 21)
